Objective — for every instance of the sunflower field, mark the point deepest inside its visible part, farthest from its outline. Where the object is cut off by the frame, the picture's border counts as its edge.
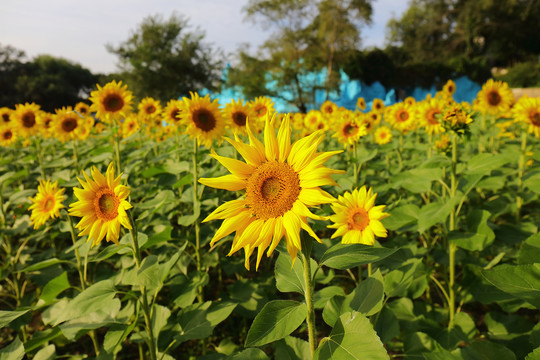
(193, 230)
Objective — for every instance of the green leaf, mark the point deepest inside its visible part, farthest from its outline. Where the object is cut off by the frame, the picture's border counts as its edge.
(321, 297)
(199, 320)
(8, 316)
(417, 180)
(98, 296)
(41, 338)
(485, 163)
(160, 315)
(148, 273)
(54, 288)
(99, 317)
(14, 351)
(433, 213)
(292, 348)
(533, 183)
(486, 350)
(397, 281)
(346, 256)
(289, 277)
(276, 320)
(401, 217)
(529, 252)
(163, 236)
(46, 353)
(250, 354)
(535, 355)
(352, 337)
(43, 264)
(522, 281)
(479, 234)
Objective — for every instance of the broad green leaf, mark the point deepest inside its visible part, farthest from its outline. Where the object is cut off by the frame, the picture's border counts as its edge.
(479, 234)
(533, 183)
(386, 325)
(42, 265)
(522, 281)
(41, 338)
(98, 296)
(99, 317)
(54, 288)
(486, 350)
(352, 337)
(250, 354)
(8, 316)
(535, 355)
(160, 314)
(163, 236)
(289, 277)
(417, 180)
(276, 320)
(485, 163)
(346, 256)
(401, 216)
(46, 353)
(397, 281)
(187, 287)
(367, 297)
(433, 213)
(321, 297)
(292, 348)
(116, 334)
(529, 252)
(148, 273)
(14, 351)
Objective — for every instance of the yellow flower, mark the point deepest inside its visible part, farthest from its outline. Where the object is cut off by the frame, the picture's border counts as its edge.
(427, 112)
(5, 115)
(46, 121)
(262, 106)
(280, 181)
(171, 114)
(47, 203)
(348, 131)
(26, 119)
(400, 115)
(456, 118)
(237, 114)
(312, 119)
(82, 108)
(527, 110)
(203, 119)
(102, 206)
(66, 124)
(383, 135)
(130, 125)
(409, 100)
(443, 142)
(111, 102)
(449, 87)
(361, 103)
(8, 135)
(328, 107)
(495, 97)
(149, 108)
(377, 105)
(356, 218)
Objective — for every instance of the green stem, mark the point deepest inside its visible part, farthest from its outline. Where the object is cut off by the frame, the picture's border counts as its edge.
(308, 279)
(521, 170)
(40, 158)
(146, 309)
(76, 155)
(117, 152)
(196, 207)
(452, 226)
(355, 163)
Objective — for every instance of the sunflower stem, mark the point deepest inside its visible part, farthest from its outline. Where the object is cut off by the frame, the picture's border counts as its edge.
(76, 155)
(355, 164)
(452, 226)
(195, 209)
(308, 279)
(40, 158)
(146, 309)
(117, 148)
(521, 170)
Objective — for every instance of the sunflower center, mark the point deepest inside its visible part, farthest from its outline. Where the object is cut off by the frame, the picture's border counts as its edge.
(260, 110)
(431, 117)
(382, 135)
(535, 118)
(272, 190)
(7, 134)
(48, 204)
(329, 109)
(47, 123)
(204, 120)
(350, 129)
(493, 98)
(174, 114)
(239, 118)
(402, 116)
(69, 124)
(150, 109)
(5, 117)
(83, 110)
(359, 220)
(450, 89)
(113, 102)
(29, 120)
(106, 204)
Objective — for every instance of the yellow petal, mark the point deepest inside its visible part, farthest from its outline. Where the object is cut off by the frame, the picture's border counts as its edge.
(227, 182)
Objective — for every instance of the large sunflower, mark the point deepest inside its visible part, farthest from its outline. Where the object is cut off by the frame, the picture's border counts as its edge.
(527, 110)
(8, 135)
(25, 118)
(112, 101)
(280, 181)
(495, 97)
(356, 218)
(203, 119)
(237, 113)
(400, 115)
(47, 203)
(66, 124)
(428, 113)
(102, 206)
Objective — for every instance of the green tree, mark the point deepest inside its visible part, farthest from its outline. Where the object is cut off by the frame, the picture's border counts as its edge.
(163, 60)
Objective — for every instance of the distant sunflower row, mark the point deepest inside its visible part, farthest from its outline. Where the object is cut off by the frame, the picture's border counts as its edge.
(207, 121)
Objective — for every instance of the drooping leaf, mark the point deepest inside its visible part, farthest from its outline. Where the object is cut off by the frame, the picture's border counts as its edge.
(346, 256)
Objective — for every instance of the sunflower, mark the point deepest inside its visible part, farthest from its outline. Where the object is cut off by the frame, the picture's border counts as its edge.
(361, 103)
(8, 135)
(383, 135)
(45, 122)
(111, 102)
(262, 106)
(495, 97)
(149, 108)
(298, 121)
(82, 108)
(374, 116)
(377, 105)
(328, 107)
(349, 130)
(356, 218)
(102, 206)
(456, 118)
(237, 113)
(449, 87)
(400, 115)
(280, 181)
(527, 110)
(130, 125)
(65, 124)
(312, 119)
(203, 119)
(428, 112)
(171, 113)
(25, 118)
(85, 127)
(409, 100)
(5, 115)
(47, 203)
(443, 143)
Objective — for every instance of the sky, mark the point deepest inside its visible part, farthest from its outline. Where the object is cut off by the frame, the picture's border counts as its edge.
(79, 30)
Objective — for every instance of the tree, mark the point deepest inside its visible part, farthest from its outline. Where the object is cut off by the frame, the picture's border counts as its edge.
(163, 60)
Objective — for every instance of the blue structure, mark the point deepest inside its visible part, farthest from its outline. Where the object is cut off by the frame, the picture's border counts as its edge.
(349, 92)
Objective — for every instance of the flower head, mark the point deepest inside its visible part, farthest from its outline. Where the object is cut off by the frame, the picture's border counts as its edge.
(47, 203)
(203, 119)
(112, 101)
